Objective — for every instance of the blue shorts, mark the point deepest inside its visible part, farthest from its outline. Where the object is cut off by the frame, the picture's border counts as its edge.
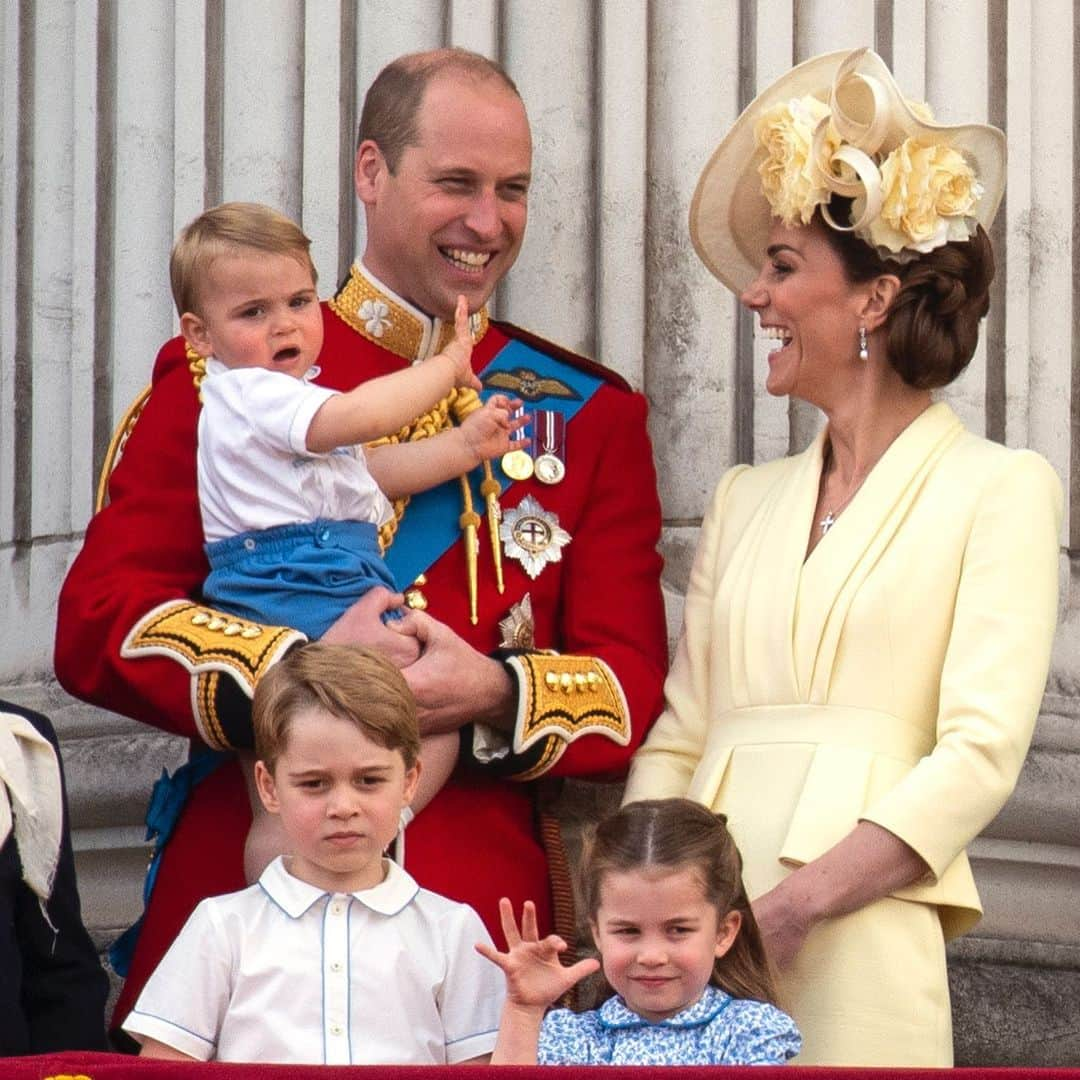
(304, 576)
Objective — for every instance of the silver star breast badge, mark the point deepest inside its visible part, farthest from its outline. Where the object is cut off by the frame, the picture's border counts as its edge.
(533, 536)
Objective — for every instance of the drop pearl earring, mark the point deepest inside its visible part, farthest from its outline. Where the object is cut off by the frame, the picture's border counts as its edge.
(864, 348)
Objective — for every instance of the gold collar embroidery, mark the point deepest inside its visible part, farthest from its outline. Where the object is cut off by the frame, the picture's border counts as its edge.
(383, 317)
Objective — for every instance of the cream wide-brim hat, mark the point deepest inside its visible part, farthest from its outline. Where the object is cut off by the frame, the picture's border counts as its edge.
(730, 217)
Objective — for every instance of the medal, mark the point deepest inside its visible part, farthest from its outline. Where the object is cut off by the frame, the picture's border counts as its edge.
(549, 469)
(517, 464)
(533, 536)
(550, 440)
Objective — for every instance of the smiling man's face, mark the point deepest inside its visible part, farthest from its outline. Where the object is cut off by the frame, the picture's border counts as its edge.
(452, 216)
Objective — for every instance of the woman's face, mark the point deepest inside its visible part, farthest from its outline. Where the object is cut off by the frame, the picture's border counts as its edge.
(805, 303)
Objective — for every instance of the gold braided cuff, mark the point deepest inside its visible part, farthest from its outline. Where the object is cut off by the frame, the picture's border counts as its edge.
(561, 698)
(209, 644)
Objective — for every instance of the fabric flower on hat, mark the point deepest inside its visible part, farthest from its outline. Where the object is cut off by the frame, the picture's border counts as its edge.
(928, 194)
(908, 198)
(790, 178)
(816, 142)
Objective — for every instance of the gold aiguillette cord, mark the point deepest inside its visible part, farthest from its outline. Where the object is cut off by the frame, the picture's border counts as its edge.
(464, 403)
(470, 522)
(491, 489)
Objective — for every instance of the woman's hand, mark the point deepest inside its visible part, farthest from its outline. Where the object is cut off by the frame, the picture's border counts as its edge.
(869, 863)
(784, 922)
(534, 977)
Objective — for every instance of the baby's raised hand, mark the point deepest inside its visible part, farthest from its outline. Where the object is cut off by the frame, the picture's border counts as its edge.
(491, 430)
(459, 351)
(534, 976)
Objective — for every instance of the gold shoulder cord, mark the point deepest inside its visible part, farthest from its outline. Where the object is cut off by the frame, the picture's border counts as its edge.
(197, 367)
(452, 409)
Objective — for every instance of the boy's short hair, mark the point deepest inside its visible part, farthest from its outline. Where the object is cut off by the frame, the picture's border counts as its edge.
(349, 682)
(229, 229)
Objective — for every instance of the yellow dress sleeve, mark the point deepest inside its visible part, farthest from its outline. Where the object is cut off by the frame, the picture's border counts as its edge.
(995, 668)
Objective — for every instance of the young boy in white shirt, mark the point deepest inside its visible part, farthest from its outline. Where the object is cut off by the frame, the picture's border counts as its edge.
(336, 956)
(290, 502)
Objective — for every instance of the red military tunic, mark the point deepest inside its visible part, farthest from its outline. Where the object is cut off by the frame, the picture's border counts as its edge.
(132, 637)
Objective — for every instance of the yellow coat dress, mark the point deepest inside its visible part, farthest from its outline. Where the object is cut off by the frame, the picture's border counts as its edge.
(894, 676)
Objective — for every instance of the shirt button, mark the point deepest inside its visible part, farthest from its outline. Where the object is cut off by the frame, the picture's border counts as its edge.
(336, 965)
(249, 544)
(324, 535)
(335, 909)
(335, 1029)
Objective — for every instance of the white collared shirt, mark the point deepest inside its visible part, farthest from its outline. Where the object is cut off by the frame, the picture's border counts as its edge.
(254, 469)
(285, 972)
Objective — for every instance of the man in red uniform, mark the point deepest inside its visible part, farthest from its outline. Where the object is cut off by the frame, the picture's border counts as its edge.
(543, 639)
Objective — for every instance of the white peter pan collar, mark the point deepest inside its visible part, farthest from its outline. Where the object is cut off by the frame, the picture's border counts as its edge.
(395, 892)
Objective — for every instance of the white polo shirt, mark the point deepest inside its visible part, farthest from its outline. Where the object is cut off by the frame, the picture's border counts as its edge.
(254, 469)
(284, 972)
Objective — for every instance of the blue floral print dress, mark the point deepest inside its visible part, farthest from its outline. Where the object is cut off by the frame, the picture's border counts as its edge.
(716, 1030)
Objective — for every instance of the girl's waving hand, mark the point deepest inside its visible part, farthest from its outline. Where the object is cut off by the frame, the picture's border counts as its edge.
(535, 979)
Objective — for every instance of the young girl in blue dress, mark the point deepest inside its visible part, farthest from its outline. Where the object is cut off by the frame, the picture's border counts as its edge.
(679, 948)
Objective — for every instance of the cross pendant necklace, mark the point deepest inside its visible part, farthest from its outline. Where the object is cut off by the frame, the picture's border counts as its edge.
(829, 520)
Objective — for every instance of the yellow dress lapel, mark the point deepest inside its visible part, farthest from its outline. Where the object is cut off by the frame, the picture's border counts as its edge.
(756, 599)
(839, 564)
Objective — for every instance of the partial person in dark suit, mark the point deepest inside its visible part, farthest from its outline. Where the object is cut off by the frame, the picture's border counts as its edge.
(52, 986)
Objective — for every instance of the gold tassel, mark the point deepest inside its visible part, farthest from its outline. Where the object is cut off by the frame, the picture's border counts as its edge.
(464, 403)
(469, 522)
(490, 489)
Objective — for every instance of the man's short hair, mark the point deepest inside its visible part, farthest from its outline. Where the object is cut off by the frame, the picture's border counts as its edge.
(392, 103)
(347, 681)
(229, 229)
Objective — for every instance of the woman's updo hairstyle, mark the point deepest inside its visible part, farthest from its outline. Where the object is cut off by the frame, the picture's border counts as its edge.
(933, 325)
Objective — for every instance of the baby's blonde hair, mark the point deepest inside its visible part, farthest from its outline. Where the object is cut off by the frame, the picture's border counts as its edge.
(229, 229)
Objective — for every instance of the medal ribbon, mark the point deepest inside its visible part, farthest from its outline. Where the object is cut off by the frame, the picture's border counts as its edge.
(550, 434)
(430, 526)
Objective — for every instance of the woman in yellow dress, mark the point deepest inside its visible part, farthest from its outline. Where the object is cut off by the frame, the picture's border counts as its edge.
(868, 624)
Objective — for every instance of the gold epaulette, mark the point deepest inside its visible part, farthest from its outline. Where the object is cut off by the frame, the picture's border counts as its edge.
(561, 698)
(209, 644)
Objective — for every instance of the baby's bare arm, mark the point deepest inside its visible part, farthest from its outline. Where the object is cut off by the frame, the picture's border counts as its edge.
(487, 432)
(382, 406)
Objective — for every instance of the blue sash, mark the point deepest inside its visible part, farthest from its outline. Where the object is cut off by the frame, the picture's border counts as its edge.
(167, 801)
(430, 526)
